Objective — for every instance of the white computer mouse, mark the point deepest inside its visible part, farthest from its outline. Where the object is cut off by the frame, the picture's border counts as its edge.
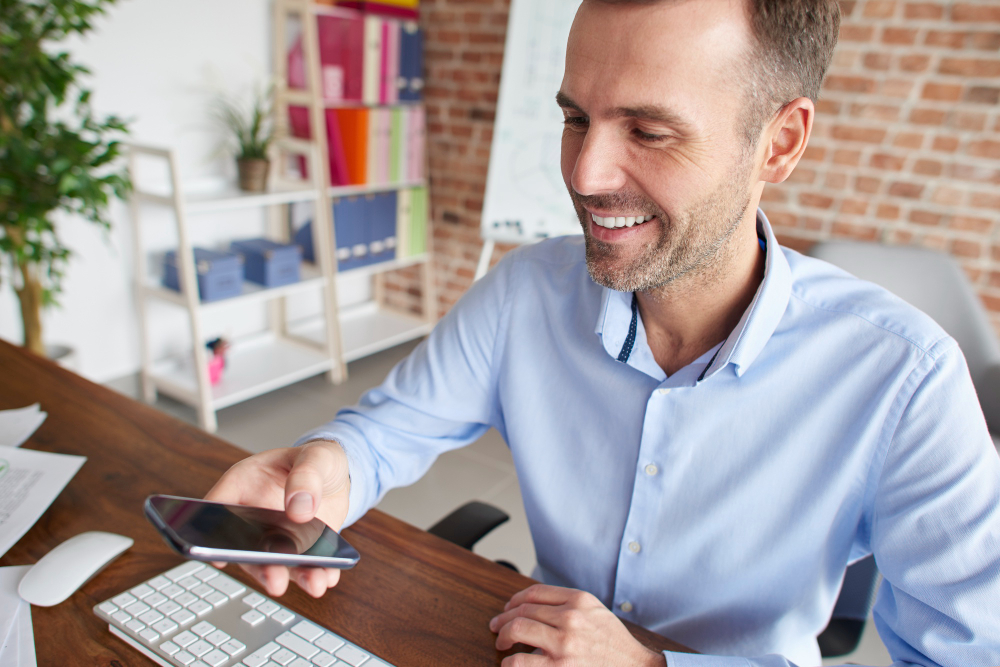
(70, 565)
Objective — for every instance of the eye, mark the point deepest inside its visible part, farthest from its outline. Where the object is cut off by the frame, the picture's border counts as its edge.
(576, 122)
(646, 136)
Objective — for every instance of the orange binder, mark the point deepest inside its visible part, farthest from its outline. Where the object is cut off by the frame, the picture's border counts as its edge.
(353, 125)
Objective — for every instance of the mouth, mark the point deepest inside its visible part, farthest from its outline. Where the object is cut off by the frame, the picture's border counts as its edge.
(615, 222)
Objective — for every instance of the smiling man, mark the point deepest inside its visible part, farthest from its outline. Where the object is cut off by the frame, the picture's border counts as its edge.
(707, 427)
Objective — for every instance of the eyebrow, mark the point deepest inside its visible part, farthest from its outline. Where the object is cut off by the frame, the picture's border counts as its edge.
(651, 112)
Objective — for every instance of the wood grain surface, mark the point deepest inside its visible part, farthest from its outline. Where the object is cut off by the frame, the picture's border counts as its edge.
(414, 599)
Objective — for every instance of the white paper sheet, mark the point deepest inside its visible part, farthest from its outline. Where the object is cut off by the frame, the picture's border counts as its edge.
(17, 425)
(18, 647)
(29, 482)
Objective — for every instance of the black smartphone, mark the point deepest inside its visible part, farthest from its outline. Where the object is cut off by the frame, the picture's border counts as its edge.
(203, 530)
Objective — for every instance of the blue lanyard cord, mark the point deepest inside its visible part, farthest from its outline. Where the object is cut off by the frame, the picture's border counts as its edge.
(626, 350)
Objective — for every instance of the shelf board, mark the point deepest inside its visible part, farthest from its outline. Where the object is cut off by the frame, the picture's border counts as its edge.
(311, 278)
(253, 367)
(390, 265)
(233, 199)
(350, 190)
(367, 329)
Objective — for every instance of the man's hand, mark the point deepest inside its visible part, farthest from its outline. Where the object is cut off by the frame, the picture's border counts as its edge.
(570, 628)
(306, 482)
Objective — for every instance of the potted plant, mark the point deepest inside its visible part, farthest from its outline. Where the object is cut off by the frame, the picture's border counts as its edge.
(251, 131)
(55, 154)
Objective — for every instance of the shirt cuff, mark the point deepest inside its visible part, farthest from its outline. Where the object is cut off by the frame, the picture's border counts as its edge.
(696, 660)
(357, 504)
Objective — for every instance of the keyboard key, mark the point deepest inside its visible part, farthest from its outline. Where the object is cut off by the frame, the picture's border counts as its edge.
(121, 617)
(253, 599)
(168, 607)
(200, 663)
(203, 628)
(207, 573)
(185, 638)
(300, 662)
(169, 648)
(217, 599)
(183, 616)
(200, 607)
(283, 656)
(352, 655)
(135, 626)
(123, 600)
(260, 656)
(329, 642)
(141, 591)
(158, 583)
(253, 617)
(297, 644)
(150, 617)
(149, 635)
(228, 585)
(200, 648)
(172, 591)
(186, 598)
(267, 608)
(165, 627)
(183, 658)
(155, 600)
(217, 638)
(306, 630)
(233, 647)
(215, 657)
(189, 582)
(184, 570)
(108, 607)
(323, 659)
(137, 608)
(283, 616)
(202, 590)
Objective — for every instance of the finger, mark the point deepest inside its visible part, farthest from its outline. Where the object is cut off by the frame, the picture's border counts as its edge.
(541, 594)
(540, 612)
(526, 660)
(315, 580)
(274, 578)
(528, 631)
(312, 471)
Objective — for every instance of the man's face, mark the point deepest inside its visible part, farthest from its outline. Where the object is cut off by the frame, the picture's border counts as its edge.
(652, 97)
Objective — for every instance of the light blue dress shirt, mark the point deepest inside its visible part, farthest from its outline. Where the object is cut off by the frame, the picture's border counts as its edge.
(835, 421)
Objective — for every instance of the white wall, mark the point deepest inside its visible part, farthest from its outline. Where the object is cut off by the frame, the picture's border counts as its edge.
(158, 63)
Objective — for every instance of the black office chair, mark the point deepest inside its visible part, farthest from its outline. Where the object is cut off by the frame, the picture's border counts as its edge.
(473, 521)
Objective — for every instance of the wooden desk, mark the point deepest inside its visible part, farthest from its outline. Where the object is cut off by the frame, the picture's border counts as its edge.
(414, 599)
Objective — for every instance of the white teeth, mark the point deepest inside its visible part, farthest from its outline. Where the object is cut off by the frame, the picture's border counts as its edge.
(613, 222)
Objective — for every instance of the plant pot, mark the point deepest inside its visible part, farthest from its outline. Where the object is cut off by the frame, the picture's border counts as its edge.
(253, 173)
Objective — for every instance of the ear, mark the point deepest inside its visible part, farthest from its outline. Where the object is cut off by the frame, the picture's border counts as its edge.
(784, 139)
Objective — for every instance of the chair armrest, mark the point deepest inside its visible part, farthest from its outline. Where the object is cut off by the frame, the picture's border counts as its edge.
(469, 523)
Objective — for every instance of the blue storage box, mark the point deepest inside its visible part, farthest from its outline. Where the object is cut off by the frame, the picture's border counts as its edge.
(220, 274)
(304, 239)
(268, 263)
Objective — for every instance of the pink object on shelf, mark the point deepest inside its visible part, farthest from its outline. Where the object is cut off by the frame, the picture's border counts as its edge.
(215, 366)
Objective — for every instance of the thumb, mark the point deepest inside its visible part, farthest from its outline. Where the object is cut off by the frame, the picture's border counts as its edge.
(311, 474)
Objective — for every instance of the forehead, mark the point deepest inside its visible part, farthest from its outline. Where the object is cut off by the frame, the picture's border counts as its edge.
(686, 55)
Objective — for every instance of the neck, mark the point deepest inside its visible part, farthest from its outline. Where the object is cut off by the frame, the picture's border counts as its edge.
(690, 316)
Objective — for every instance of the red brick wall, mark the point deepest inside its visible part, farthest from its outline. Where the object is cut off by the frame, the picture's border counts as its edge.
(906, 145)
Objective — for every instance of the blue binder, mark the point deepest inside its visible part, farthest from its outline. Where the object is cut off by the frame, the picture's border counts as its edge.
(349, 217)
(384, 226)
(411, 63)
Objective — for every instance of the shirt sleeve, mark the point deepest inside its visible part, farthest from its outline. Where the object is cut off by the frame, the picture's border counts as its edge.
(441, 397)
(934, 527)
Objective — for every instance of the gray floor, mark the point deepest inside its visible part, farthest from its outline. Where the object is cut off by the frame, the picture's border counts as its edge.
(483, 471)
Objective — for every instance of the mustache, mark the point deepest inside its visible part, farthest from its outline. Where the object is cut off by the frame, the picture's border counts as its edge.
(618, 200)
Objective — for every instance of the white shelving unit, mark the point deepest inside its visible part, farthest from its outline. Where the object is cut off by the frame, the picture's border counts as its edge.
(260, 363)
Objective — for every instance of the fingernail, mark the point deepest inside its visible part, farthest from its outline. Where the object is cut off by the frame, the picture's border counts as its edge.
(300, 503)
(493, 624)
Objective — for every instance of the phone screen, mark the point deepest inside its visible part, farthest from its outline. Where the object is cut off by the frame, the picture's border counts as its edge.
(236, 533)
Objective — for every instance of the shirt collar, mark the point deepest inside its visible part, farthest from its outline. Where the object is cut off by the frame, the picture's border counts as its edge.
(746, 341)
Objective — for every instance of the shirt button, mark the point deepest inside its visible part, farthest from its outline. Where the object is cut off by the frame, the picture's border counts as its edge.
(634, 547)
(625, 606)
(651, 469)
(663, 392)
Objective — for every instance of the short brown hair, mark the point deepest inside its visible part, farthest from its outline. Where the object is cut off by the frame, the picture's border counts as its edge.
(794, 42)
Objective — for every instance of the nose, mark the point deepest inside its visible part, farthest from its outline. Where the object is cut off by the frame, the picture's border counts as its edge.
(598, 168)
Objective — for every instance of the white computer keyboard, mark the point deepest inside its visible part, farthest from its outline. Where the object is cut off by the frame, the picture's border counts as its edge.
(196, 616)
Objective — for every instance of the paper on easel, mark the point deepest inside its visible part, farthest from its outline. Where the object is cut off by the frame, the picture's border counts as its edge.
(29, 482)
(17, 425)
